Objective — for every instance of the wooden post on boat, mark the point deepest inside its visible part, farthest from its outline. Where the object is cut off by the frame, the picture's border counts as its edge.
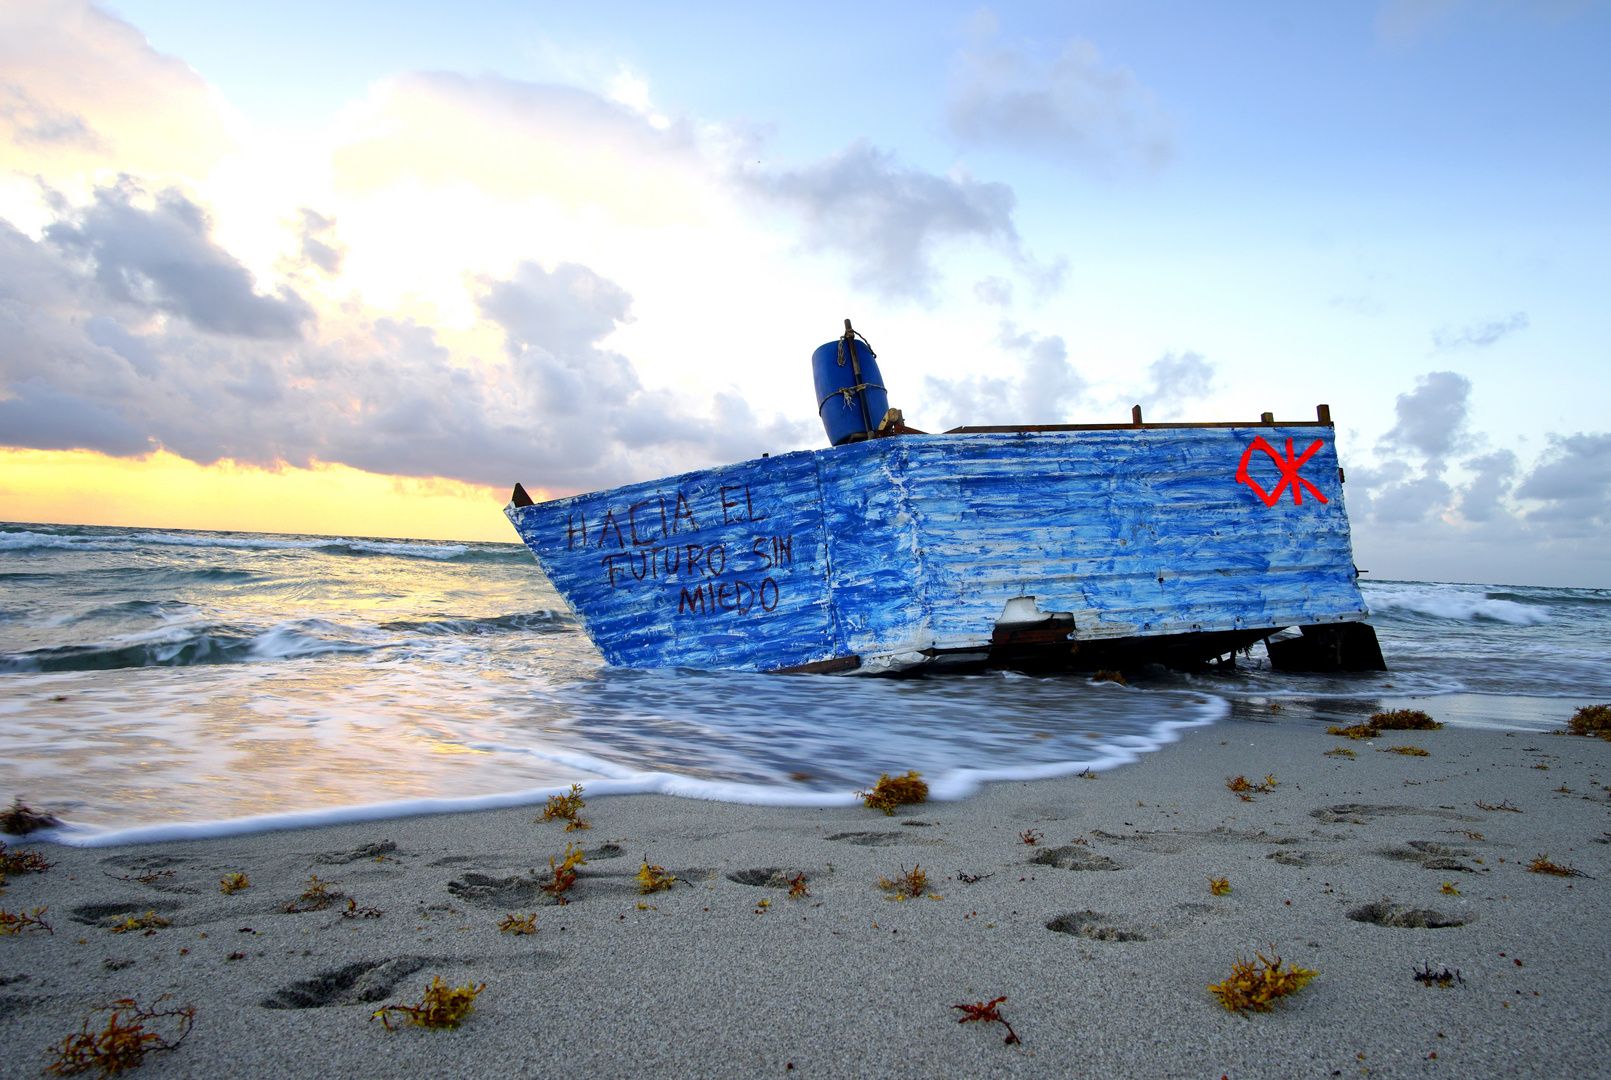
(1267, 418)
(861, 386)
(1323, 414)
(1135, 415)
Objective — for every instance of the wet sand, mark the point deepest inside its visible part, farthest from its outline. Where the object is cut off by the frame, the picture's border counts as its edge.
(707, 980)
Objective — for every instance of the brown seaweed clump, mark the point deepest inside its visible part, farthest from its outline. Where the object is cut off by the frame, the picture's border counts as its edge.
(233, 883)
(564, 872)
(1108, 675)
(22, 862)
(989, 1013)
(442, 1007)
(566, 808)
(20, 820)
(1408, 751)
(889, 793)
(519, 924)
(1541, 865)
(1243, 787)
(1397, 720)
(22, 921)
(1404, 720)
(1219, 886)
(1592, 720)
(1256, 987)
(150, 922)
(654, 878)
(908, 886)
(125, 1041)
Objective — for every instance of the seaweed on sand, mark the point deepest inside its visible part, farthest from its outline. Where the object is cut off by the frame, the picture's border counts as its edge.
(1442, 979)
(125, 1041)
(355, 912)
(233, 883)
(1031, 836)
(564, 872)
(22, 862)
(654, 878)
(1542, 865)
(1243, 787)
(150, 922)
(566, 808)
(442, 1006)
(519, 924)
(989, 1013)
(908, 886)
(316, 897)
(1593, 720)
(889, 793)
(1408, 751)
(1257, 987)
(21, 921)
(1219, 886)
(1404, 720)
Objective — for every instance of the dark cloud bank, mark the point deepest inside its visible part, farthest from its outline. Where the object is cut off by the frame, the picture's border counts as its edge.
(127, 328)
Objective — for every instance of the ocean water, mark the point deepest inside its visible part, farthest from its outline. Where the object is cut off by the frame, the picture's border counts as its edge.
(164, 684)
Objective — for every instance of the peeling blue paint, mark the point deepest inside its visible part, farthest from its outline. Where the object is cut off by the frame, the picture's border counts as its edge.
(886, 548)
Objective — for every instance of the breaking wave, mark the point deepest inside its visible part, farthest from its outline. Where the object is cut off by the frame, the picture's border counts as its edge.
(22, 541)
(1455, 602)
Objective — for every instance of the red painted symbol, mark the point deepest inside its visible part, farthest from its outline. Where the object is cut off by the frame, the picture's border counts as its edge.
(1289, 467)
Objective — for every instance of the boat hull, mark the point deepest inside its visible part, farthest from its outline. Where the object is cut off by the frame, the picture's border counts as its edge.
(1033, 549)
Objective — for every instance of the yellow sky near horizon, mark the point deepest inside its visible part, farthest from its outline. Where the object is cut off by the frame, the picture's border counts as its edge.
(164, 491)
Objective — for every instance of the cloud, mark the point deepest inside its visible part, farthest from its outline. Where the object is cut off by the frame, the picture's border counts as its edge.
(520, 140)
(128, 329)
(1479, 335)
(1432, 417)
(1076, 108)
(889, 218)
(162, 259)
(1491, 519)
(1492, 478)
(82, 90)
(993, 290)
(1045, 389)
(318, 245)
(1174, 380)
(1574, 484)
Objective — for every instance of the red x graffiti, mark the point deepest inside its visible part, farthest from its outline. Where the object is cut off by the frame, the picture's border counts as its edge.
(1289, 467)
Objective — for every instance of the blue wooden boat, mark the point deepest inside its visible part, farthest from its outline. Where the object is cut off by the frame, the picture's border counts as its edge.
(1037, 547)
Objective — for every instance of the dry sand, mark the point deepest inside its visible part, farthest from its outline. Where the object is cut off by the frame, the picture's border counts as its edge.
(704, 981)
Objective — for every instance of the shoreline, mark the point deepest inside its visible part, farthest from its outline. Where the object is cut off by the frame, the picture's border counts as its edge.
(705, 980)
(1505, 713)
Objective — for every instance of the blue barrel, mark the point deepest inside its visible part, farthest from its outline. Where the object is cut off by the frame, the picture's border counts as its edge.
(849, 410)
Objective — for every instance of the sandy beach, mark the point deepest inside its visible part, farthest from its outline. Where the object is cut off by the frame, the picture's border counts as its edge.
(724, 976)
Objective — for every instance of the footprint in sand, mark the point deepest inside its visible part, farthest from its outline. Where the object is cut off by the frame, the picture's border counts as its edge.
(1387, 913)
(1075, 857)
(355, 984)
(1093, 925)
(883, 839)
(771, 877)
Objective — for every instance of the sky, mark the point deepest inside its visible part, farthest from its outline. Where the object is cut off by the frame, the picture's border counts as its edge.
(357, 268)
